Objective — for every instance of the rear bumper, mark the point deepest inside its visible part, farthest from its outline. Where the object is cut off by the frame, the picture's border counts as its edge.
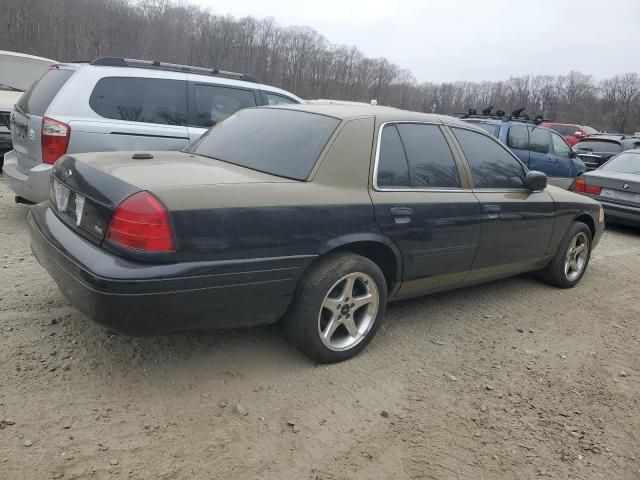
(139, 299)
(34, 185)
(621, 213)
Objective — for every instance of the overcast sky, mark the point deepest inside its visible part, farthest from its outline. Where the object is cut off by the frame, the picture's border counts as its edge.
(448, 40)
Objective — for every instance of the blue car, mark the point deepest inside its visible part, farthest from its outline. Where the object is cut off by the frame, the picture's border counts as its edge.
(539, 148)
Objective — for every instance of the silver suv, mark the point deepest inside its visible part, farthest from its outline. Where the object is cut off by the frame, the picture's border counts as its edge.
(120, 104)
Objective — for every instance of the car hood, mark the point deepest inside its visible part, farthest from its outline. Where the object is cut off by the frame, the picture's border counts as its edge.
(172, 170)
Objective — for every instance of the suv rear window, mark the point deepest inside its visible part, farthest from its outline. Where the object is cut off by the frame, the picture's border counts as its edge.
(598, 146)
(280, 142)
(36, 100)
(147, 100)
(489, 127)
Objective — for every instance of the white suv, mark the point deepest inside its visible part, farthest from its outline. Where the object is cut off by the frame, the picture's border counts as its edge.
(116, 103)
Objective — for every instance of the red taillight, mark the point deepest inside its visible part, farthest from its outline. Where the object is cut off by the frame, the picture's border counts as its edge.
(55, 140)
(141, 222)
(581, 186)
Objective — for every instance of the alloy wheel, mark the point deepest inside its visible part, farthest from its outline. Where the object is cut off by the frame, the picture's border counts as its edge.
(348, 311)
(577, 256)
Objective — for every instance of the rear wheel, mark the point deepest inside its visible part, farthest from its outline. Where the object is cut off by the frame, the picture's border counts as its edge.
(571, 261)
(338, 307)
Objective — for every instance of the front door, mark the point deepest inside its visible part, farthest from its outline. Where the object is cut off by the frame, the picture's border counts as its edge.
(516, 223)
(423, 204)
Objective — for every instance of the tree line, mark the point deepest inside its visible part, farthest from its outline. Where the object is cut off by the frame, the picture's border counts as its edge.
(298, 59)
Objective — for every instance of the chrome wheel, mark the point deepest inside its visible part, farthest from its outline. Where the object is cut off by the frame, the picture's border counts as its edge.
(348, 311)
(577, 256)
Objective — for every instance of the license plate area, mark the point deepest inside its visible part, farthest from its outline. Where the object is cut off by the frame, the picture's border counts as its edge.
(620, 195)
(68, 203)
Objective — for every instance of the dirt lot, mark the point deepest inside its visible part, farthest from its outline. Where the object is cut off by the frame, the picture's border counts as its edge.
(512, 379)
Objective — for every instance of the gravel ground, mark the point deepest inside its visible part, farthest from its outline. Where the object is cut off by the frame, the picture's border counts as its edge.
(512, 379)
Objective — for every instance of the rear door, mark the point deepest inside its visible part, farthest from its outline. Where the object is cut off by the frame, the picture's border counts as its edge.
(210, 103)
(133, 113)
(422, 203)
(26, 119)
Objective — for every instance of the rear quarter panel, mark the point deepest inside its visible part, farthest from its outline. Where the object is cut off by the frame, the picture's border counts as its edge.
(263, 220)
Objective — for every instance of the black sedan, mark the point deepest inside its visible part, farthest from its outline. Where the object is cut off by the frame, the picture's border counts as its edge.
(317, 214)
(596, 150)
(616, 185)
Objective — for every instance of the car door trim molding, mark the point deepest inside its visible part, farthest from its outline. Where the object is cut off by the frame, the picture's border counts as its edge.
(409, 189)
(133, 134)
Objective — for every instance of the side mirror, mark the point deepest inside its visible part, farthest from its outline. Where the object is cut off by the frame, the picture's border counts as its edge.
(535, 181)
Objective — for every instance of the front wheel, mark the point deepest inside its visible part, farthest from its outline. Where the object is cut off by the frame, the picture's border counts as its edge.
(338, 307)
(571, 260)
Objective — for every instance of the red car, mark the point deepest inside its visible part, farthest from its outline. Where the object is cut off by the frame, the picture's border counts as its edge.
(570, 132)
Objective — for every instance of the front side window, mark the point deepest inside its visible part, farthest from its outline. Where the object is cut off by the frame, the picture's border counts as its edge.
(214, 103)
(539, 140)
(281, 142)
(431, 163)
(492, 166)
(518, 137)
(275, 99)
(560, 146)
(393, 168)
(147, 100)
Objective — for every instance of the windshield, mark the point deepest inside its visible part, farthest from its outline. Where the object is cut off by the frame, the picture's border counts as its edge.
(286, 143)
(564, 130)
(624, 163)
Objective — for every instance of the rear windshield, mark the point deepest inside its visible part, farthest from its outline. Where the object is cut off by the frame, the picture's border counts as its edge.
(489, 127)
(589, 130)
(624, 163)
(280, 142)
(36, 100)
(598, 146)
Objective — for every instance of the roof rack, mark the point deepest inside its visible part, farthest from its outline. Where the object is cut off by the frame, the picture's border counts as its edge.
(173, 67)
(517, 115)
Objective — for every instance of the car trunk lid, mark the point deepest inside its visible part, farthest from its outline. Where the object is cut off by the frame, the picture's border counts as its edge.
(616, 187)
(87, 188)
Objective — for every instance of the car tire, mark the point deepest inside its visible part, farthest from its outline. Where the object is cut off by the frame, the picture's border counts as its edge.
(572, 258)
(338, 307)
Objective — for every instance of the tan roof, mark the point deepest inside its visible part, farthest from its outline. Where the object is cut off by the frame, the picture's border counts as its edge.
(345, 111)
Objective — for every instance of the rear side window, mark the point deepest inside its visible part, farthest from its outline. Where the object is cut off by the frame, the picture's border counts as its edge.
(275, 99)
(36, 100)
(214, 103)
(518, 137)
(491, 164)
(430, 160)
(280, 142)
(539, 140)
(147, 100)
(489, 127)
(393, 168)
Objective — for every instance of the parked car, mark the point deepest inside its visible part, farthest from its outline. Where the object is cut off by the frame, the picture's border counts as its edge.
(18, 72)
(539, 148)
(598, 149)
(570, 132)
(120, 104)
(286, 211)
(616, 185)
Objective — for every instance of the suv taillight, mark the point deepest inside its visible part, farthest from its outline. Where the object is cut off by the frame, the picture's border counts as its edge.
(141, 222)
(55, 140)
(581, 186)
